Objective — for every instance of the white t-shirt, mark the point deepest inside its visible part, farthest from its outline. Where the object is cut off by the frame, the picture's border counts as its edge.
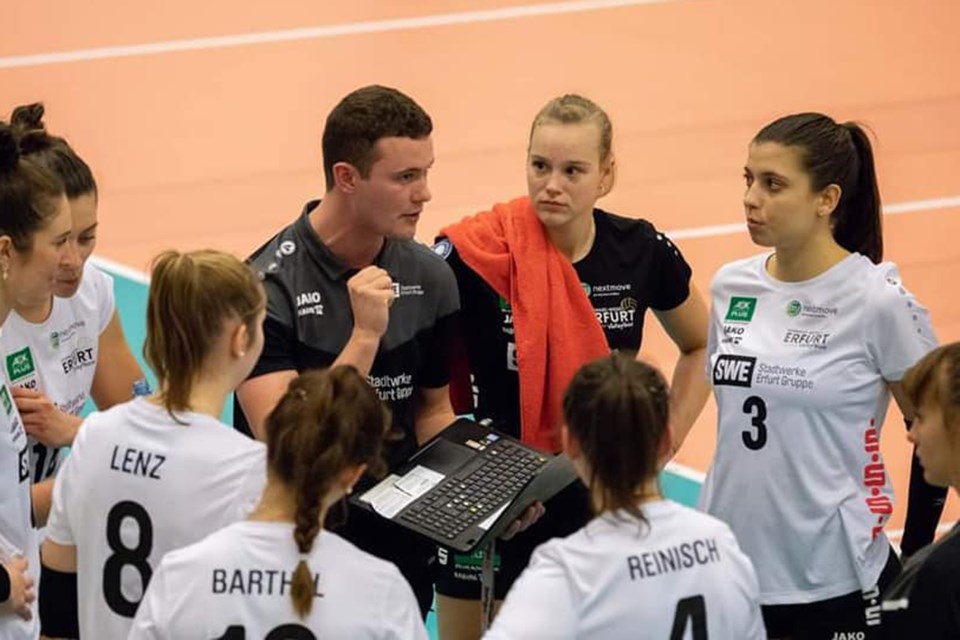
(137, 485)
(236, 584)
(799, 372)
(16, 529)
(682, 578)
(58, 356)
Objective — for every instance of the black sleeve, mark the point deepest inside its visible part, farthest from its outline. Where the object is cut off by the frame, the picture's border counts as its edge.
(934, 609)
(671, 275)
(924, 507)
(279, 348)
(4, 584)
(435, 371)
(58, 606)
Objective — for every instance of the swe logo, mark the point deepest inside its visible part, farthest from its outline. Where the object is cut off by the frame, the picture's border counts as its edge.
(734, 371)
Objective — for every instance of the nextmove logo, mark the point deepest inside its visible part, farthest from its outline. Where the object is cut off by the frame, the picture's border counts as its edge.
(794, 307)
(741, 309)
(20, 364)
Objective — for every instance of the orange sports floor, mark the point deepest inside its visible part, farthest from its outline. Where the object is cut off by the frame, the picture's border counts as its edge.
(202, 119)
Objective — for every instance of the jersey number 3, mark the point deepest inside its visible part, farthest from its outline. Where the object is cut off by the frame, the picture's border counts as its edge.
(123, 555)
(754, 439)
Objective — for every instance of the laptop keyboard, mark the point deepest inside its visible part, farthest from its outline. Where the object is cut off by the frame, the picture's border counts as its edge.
(463, 500)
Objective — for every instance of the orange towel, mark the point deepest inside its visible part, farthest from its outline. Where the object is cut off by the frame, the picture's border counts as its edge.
(556, 330)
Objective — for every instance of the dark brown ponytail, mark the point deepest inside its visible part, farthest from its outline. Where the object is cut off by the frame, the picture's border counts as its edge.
(618, 410)
(327, 422)
(838, 154)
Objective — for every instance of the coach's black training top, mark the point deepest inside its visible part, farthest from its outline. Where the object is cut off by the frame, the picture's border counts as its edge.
(631, 267)
(309, 319)
(924, 601)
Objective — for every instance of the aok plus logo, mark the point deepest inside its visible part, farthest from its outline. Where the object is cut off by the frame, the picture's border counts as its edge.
(734, 371)
(20, 364)
(741, 309)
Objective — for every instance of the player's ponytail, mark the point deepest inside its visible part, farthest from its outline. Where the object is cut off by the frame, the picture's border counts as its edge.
(326, 424)
(837, 154)
(192, 295)
(53, 153)
(618, 409)
(29, 194)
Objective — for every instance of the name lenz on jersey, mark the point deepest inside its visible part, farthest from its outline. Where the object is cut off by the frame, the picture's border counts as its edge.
(137, 485)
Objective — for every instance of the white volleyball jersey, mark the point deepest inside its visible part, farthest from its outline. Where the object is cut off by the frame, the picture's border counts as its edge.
(137, 485)
(58, 356)
(799, 372)
(683, 577)
(236, 584)
(16, 528)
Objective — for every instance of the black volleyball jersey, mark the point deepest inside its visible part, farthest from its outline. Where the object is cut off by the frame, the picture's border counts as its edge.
(631, 267)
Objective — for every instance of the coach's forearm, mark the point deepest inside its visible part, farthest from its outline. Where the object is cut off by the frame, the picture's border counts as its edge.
(360, 351)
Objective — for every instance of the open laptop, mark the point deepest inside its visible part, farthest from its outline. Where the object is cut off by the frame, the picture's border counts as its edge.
(467, 485)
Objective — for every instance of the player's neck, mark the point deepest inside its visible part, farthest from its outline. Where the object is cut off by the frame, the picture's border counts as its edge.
(574, 239)
(650, 492)
(4, 306)
(335, 225)
(36, 314)
(807, 261)
(208, 396)
(278, 504)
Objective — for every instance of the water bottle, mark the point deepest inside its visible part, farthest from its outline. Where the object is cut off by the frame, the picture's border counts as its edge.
(141, 387)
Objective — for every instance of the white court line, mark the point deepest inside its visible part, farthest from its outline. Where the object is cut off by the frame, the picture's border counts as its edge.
(897, 208)
(684, 471)
(318, 32)
(115, 268)
(675, 468)
(913, 206)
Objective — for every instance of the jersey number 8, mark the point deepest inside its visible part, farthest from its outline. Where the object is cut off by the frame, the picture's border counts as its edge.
(123, 555)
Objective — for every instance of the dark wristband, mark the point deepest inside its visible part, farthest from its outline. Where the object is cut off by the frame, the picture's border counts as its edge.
(4, 584)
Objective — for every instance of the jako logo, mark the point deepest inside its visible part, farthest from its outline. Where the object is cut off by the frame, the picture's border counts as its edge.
(852, 635)
(734, 371)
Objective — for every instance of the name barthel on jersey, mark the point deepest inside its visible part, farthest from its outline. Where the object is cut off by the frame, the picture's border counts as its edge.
(735, 371)
(683, 556)
(257, 582)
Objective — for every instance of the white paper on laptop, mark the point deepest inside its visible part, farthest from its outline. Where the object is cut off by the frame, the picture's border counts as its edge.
(392, 494)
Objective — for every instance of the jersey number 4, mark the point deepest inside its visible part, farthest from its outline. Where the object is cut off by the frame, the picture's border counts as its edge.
(283, 632)
(694, 611)
(135, 557)
(755, 438)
